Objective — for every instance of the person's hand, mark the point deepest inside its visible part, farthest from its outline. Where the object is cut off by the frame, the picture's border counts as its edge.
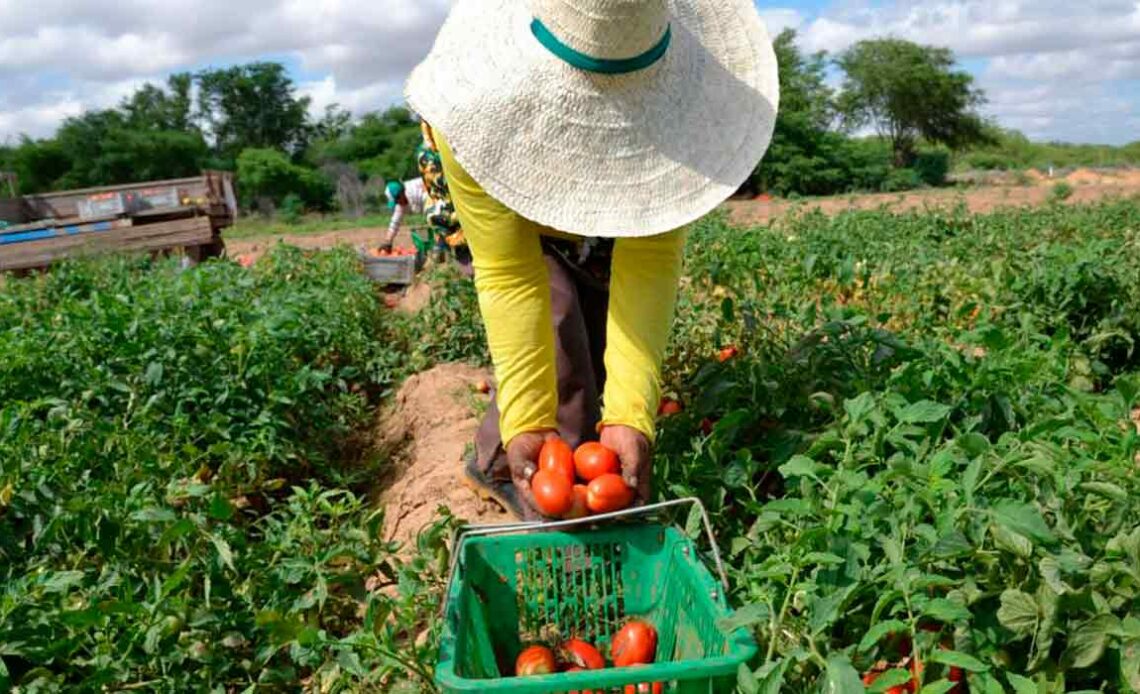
(522, 457)
(386, 246)
(632, 450)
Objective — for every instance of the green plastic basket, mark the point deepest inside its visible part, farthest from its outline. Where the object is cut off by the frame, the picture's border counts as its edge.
(520, 584)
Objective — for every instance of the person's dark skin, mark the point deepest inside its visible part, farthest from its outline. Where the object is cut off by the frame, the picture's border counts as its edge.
(630, 445)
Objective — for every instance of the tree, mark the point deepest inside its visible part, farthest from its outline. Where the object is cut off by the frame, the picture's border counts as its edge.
(38, 164)
(153, 108)
(907, 92)
(266, 177)
(253, 106)
(381, 145)
(104, 148)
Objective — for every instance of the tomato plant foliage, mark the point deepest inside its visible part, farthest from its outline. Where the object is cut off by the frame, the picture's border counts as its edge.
(922, 451)
(928, 447)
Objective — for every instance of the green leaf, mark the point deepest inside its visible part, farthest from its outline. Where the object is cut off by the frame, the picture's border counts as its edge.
(220, 508)
(153, 374)
(923, 412)
(799, 466)
(5, 678)
(746, 681)
(1021, 685)
(891, 678)
(958, 659)
(154, 514)
(1018, 612)
(859, 407)
(224, 551)
(1025, 519)
(771, 676)
(747, 616)
(841, 676)
(946, 611)
(952, 544)
(1109, 491)
(973, 444)
(1086, 644)
(694, 522)
(61, 581)
(1013, 542)
(823, 558)
(939, 687)
(876, 633)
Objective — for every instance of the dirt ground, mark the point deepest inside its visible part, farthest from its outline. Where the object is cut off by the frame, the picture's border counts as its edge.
(432, 421)
(1088, 186)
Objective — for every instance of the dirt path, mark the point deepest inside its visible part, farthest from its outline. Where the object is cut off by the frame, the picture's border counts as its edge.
(1088, 186)
(433, 418)
(977, 200)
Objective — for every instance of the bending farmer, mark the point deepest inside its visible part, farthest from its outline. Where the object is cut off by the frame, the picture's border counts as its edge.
(578, 140)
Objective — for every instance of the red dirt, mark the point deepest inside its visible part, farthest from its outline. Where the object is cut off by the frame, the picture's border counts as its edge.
(1089, 186)
(977, 200)
(432, 420)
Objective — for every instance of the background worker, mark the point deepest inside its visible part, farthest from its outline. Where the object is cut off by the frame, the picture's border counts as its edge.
(427, 195)
(578, 141)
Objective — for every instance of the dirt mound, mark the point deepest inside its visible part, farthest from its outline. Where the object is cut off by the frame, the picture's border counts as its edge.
(434, 417)
(1086, 177)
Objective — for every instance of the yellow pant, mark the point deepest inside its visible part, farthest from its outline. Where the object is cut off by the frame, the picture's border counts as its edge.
(514, 298)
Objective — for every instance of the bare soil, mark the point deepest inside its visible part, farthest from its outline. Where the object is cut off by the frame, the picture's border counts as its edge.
(432, 421)
(1088, 186)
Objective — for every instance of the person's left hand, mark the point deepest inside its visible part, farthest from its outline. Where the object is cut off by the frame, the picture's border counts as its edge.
(633, 451)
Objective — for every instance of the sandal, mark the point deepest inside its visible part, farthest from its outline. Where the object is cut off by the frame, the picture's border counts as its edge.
(491, 488)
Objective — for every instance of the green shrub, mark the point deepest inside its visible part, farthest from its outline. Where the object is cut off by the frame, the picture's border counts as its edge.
(900, 180)
(1061, 191)
(932, 166)
(292, 209)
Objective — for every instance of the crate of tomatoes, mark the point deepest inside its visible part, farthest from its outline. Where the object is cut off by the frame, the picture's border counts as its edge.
(607, 599)
(396, 266)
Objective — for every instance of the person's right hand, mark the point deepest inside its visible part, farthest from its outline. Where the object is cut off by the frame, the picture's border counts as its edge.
(522, 457)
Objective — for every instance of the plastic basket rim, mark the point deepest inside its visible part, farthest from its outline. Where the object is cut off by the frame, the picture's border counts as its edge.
(743, 646)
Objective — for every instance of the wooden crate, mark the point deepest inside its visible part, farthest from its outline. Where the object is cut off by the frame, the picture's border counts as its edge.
(189, 233)
(394, 270)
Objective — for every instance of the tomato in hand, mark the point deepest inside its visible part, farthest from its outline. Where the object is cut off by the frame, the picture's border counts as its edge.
(592, 460)
(635, 644)
(553, 493)
(608, 493)
(535, 660)
(556, 456)
(580, 654)
(581, 507)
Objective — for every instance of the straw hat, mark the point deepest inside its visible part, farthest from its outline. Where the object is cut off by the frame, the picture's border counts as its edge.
(603, 117)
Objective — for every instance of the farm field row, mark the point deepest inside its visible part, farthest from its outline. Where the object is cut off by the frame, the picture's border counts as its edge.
(923, 452)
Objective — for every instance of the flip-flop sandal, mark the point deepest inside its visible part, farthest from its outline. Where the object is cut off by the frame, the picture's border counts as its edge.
(490, 488)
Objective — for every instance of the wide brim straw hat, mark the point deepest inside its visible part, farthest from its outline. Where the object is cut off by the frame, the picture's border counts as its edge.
(605, 118)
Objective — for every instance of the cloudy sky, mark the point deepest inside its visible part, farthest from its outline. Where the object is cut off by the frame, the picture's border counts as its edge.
(1055, 70)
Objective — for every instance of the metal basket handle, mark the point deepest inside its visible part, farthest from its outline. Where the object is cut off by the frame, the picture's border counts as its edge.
(485, 530)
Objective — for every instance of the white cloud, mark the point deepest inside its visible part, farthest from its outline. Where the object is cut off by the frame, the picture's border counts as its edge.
(780, 18)
(58, 57)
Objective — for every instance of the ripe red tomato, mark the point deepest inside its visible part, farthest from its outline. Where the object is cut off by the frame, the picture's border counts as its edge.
(727, 353)
(592, 460)
(644, 688)
(535, 660)
(581, 507)
(556, 456)
(608, 493)
(580, 654)
(669, 406)
(553, 493)
(635, 644)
